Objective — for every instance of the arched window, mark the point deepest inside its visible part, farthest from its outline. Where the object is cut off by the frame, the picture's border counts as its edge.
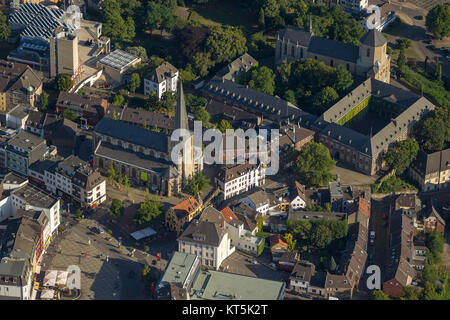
(368, 52)
(293, 51)
(331, 63)
(348, 67)
(301, 53)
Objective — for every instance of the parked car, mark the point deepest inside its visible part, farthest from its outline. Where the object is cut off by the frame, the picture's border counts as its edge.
(372, 242)
(305, 295)
(99, 230)
(372, 235)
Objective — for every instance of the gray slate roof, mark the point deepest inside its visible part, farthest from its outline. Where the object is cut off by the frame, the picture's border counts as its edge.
(133, 134)
(202, 232)
(296, 35)
(136, 159)
(373, 38)
(335, 49)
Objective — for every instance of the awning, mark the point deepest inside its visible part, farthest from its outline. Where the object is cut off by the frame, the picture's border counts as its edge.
(61, 278)
(48, 294)
(144, 233)
(50, 278)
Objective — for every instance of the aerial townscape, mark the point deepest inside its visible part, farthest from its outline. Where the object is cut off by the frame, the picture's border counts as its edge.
(224, 150)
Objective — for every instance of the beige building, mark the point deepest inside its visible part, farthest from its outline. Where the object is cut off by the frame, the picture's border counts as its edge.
(116, 64)
(432, 171)
(18, 84)
(207, 241)
(64, 54)
(369, 59)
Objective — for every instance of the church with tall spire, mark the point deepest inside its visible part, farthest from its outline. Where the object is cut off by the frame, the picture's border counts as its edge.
(144, 154)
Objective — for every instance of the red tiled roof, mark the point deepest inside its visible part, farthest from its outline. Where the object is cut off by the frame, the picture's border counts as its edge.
(227, 214)
(186, 207)
(276, 239)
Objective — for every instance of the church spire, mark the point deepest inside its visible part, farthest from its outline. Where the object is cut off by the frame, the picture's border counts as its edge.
(310, 25)
(181, 119)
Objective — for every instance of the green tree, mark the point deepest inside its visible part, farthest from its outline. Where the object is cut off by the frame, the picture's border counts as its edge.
(138, 51)
(271, 8)
(404, 43)
(435, 243)
(126, 182)
(201, 63)
(344, 78)
(261, 18)
(438, 21)
(320, 236)
(64, 82)
(147, 276)
(291, 242)
(400, 156)
(116, 209)
(410, 293)
(69, 114)
(167, 101)
(197, 184)
(118, 100)
(325, 97)
(112, 175)
(401, 60)
(314, 165)
(148, 210)
(224, 125)
(4, 29)
(433, 132)
(378, 295)
(225, 43)
(43, 101)
(118, 25)
(135, 82)
(260, 78)
(332, 265)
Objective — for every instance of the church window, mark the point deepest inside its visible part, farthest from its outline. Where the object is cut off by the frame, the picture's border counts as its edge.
(368, 52)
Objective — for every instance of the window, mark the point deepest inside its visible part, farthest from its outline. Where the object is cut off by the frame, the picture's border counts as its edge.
(368, 52)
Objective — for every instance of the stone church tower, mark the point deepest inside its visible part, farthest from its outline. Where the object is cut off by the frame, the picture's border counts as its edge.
(186, 165)
(373, 59)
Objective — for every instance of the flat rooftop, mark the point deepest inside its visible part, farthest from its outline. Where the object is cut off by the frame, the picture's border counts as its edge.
(215, 285)
(178, 268)
(119, 60)
(35, 197)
